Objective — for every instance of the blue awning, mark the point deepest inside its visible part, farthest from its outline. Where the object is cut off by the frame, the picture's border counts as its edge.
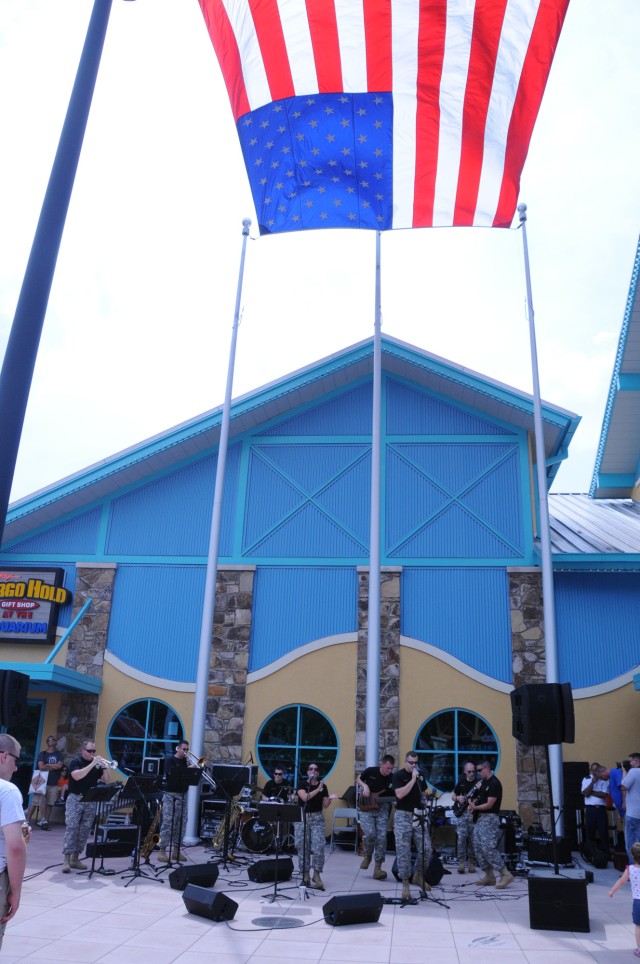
(58, 679)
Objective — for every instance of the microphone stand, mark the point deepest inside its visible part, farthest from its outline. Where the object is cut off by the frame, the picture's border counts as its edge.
(424, 895)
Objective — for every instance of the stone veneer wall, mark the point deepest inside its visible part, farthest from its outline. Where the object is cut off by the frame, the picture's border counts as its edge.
(389, 664)
(226, 701)
(529, 666)
(85, 653)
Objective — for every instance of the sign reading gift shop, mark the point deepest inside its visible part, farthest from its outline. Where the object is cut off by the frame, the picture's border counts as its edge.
(30, 600)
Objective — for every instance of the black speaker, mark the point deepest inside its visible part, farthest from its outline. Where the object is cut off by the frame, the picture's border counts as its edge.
(209, 903)
(264, 871)
(542, 714)
(540, 848)
(203, 874)
(108, 848)
(13, 697)
(558, 904)
(353, 909)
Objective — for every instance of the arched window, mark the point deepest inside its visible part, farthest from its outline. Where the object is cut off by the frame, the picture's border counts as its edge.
(293, 737)
(145, 728)
(449, 738)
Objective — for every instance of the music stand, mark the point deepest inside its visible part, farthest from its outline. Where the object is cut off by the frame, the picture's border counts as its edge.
(138, 785)
(102, 793)
(277, 812)
(179, 779)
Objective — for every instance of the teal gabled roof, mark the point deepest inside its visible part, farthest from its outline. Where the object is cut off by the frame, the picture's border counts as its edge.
(201, 435)
(617, 465)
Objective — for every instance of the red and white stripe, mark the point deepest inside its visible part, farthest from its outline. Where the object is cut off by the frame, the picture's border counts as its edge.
(467, 78)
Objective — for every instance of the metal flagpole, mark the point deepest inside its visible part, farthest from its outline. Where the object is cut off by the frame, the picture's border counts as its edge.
(211, 578)
(372, 742)
(548, 598)
(22, 347)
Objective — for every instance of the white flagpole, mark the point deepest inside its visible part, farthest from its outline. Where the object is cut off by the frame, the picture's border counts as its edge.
(372, 742)
(548, 598)
(211, 578)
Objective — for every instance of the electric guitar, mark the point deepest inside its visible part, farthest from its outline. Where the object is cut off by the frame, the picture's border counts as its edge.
(374, 800)
(460, 806)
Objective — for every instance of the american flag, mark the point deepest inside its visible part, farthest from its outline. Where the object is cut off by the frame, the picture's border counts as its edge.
(384, 114)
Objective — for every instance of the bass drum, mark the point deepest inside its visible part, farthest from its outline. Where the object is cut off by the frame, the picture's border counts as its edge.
(257, 835)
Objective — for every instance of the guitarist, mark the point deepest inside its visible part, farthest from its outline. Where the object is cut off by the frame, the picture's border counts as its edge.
(462, 792)
(374, 783)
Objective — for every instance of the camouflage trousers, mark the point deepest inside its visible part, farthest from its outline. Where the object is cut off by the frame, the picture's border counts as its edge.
(465, 838)
(79, 819)
(174, 811)
(375, 825)
(485, 843)
(406, 833)
(312, 849)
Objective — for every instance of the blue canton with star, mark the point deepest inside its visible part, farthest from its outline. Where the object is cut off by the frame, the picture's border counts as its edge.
(321, 161)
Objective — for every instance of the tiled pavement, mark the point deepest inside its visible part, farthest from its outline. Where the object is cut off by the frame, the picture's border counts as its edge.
(71, 918)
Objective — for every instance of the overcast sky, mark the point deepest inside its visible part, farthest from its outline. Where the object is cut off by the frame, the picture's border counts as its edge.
(138, 327)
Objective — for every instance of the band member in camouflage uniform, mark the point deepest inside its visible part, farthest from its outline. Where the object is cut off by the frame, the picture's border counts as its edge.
(86, 770)
(375, 822)
(409, 787)
(486, 814)
(464, 830)
(310, 833)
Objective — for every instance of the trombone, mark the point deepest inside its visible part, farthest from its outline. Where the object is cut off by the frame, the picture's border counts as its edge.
(199, 764)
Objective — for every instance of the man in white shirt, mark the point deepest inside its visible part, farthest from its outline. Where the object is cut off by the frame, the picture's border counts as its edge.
(13, 851)
(595, 790)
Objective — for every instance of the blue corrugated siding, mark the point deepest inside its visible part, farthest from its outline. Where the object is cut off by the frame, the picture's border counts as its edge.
(78, 535)
(172, 515)
(307, 501)
(296, 606)
(597, 621)
(414, 412)
(464, 612)
(155, 623)
(346, 414)
(453, 501)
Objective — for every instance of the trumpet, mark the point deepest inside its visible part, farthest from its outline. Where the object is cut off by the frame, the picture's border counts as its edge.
(98, 761)
(199, 764)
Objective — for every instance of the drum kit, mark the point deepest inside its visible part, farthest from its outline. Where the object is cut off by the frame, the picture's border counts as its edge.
(251, 832)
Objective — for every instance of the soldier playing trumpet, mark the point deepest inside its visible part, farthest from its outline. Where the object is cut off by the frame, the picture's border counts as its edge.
(85, 771)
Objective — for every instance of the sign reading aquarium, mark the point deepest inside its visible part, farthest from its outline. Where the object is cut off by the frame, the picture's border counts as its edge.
(29, 604)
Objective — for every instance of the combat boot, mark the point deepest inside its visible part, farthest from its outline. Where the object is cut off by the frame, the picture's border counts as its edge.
(366, 860)
(488, 880)
(66, 866)
(77, 864)
(378, 872)
(472, 867)
(317, 881)
(406, 890)
(506, 878)
(461, 868)
(419, 881)
(163, 857)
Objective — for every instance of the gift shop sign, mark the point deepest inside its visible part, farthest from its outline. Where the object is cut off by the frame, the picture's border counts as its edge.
(29, 604)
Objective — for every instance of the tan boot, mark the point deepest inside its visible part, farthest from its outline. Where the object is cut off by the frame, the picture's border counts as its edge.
(461, 868)
(488, 880)
(306, 880)
(366, 860)
(317, 881)
(506, 878)
(163, 857)
(179, 857)
(76, 864)
(406, 890)
(378, 872)
(472, 867)
(419, 881)
(66, 866)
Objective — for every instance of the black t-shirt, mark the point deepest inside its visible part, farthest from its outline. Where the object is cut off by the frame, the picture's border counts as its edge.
(464, 786)
(490, 788)
(314, 805)
(51, 756)
(375, 780)
(86, 783)
(412, 799)
(276, 791)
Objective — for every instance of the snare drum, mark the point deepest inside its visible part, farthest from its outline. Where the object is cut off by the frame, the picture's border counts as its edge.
(257, 835)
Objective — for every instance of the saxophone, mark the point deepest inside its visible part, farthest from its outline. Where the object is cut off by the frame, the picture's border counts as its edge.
(227, 821)
(152, 839)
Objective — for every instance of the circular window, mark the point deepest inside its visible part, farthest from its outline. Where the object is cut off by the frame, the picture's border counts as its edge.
(449, 738)
(294, 737)
(146, 728)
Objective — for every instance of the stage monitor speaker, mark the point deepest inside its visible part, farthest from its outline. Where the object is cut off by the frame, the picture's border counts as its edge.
(264, 871)
(353, 909)
(203, 874)
(558, 904)
(542, 714)
(209, 903)
(13, 697)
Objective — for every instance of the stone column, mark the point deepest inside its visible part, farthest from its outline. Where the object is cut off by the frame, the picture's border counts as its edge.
(529, 666)
(389, 663)
(226, 702)
(85, 652)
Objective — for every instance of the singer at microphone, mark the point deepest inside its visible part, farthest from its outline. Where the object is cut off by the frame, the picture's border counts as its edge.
(310, 832)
